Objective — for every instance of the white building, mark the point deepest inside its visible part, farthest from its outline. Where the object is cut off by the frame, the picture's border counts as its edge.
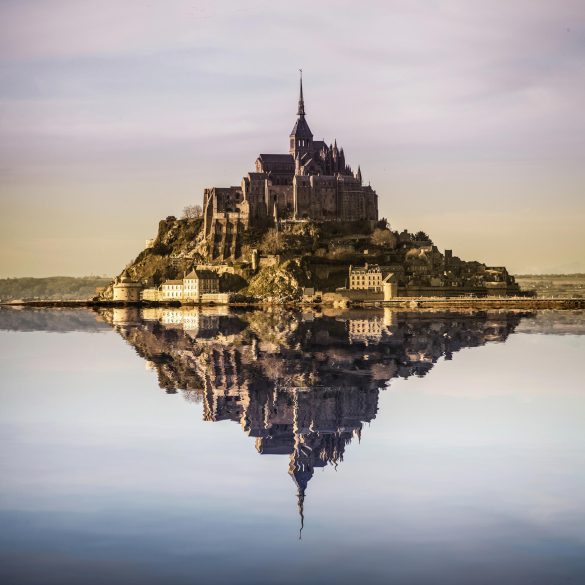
(172, 290)
(368, 277)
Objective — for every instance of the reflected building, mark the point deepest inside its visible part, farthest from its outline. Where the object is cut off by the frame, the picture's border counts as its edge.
(301, 385)
(369, 328)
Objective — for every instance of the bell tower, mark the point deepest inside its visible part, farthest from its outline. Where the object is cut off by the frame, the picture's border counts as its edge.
(301, 137)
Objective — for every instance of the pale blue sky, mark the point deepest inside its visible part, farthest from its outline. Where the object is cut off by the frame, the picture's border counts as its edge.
(465, 115)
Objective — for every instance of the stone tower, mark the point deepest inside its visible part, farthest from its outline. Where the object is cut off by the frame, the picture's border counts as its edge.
(301, 137)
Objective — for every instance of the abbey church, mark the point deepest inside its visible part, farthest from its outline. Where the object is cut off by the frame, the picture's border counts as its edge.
(313, 181)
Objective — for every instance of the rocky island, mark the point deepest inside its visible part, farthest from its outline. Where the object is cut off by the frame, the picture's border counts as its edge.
(301, 226)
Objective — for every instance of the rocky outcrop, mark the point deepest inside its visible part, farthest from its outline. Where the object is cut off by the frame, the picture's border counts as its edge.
(178, 246)
(317, 255)
(279, 284)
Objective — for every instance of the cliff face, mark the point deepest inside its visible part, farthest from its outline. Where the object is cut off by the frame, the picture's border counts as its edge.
(177, 247)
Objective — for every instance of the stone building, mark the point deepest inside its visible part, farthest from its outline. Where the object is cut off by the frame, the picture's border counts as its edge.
(127, 290)
(198, 285)
(312, 181)
(389, 287)
(199, 282)
(172, 290)
(151, 294)
(368, 277)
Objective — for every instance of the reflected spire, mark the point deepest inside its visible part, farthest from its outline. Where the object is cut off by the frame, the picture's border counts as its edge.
(301, 508)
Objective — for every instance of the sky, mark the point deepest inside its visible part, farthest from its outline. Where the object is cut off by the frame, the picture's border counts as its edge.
(466, 117)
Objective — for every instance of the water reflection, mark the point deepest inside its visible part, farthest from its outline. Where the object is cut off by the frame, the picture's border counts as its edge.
(301, 384)
(470, 474)
(56, 320)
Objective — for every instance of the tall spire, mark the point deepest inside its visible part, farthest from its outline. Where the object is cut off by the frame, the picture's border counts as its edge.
(301, 137)
(301, 111)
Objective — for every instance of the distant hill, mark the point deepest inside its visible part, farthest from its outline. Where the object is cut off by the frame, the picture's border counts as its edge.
(51, 288)
(554, 285)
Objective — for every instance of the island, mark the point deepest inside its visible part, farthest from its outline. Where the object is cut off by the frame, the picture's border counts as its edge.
(301, 227)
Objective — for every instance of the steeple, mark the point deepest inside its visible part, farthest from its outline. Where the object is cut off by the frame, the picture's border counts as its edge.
(301, 137)
(301, 110)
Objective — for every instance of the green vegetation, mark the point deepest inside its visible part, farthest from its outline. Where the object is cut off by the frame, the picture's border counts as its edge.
(422, 237)
(51, 288)
(383, 238)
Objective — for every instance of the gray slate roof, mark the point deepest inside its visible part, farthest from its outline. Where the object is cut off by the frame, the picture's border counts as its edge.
(301, 129)
(202, 274)
(277, 158)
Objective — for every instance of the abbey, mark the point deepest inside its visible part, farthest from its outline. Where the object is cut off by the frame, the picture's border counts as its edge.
(313, 181)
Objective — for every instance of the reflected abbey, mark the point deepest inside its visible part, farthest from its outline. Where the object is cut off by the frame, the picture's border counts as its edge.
(301, 384)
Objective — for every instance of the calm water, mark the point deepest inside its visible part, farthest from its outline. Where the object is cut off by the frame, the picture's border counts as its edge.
(267, 448)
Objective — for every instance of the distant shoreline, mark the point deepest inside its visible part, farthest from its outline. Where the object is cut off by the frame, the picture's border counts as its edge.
(483, 303)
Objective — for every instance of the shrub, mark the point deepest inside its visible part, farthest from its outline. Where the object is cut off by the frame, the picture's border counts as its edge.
(383, 237)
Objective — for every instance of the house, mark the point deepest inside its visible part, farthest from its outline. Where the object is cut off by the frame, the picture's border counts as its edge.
(368, 277)
(151, 294)
(200, 282)
(172, 290)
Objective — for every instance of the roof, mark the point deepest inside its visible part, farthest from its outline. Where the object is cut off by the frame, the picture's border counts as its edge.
(366, 268)
(126, 280)
(172, 282)
(301, 129)
(277, 158)
(201, 274)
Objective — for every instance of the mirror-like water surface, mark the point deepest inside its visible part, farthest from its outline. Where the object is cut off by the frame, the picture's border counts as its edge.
(209, 446)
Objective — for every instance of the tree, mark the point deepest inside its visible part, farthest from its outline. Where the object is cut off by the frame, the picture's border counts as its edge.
(270, 243)
(422, 237)
(192, 212)
(383, 237)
